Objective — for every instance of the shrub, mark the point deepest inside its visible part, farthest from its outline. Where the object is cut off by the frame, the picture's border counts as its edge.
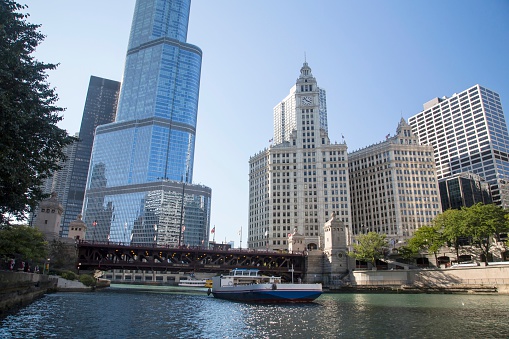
(69, 275)
(87, 280)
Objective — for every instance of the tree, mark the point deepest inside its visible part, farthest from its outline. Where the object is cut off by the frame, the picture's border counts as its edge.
(482, 223)
(407, 253)
(30, 142)
(427, 238)
(451, 225)
(370, 247)
(62, 255)
(24, 242)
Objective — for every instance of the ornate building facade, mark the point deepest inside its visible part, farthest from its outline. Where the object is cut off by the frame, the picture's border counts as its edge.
(394, 188)
(299, 181)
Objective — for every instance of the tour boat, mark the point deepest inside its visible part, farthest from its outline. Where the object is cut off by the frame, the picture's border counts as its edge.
(207, 283)
(249, 285)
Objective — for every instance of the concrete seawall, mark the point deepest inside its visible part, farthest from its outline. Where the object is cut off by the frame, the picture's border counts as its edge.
(18, 289)
(481, 279)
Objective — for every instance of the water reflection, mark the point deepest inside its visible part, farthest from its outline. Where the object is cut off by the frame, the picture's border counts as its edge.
(163, 313)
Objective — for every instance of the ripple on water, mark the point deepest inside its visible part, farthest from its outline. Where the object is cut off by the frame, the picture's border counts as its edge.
(130, 313)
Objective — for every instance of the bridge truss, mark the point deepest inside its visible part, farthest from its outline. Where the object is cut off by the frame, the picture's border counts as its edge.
(110, 256)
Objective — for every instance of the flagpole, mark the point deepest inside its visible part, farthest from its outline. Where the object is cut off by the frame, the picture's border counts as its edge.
(240, 233)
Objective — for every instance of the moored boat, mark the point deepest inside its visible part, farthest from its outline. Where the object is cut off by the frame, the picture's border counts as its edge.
(249, 285)
(195, 283)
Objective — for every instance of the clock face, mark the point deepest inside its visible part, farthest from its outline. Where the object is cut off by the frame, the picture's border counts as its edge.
(307, 101)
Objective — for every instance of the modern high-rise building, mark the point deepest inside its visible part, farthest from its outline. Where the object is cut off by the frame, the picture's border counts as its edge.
(139, 186)
(60, 180)
(100, 108)
(393, 186)
(468, 132)
(464, 190)
(301, 179)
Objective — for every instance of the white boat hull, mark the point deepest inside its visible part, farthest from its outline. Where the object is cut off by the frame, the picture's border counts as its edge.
(268, 292)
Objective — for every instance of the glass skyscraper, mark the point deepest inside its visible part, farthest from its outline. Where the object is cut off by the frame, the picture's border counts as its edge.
(100, 108)
(139, 186)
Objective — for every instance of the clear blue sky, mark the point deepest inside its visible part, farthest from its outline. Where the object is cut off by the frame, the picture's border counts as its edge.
(378, 60)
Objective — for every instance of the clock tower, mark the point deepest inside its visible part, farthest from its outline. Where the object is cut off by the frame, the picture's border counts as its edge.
(302, 178)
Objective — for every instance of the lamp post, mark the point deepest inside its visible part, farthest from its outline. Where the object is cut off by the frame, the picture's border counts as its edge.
(46, 266)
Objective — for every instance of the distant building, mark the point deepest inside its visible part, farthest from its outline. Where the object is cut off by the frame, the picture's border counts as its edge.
(77, 229)
(59, 182)
(302, 178)
(393, 185)
(48, 216)
(468, 132)
(100, 108)
(139, 186)
(464, 189)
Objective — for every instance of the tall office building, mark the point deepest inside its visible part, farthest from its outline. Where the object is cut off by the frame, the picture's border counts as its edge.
(464, 190)
(139, 186)
(393, 185)
(468, 132)
(300, 180)
(59, 182)
(100, 108)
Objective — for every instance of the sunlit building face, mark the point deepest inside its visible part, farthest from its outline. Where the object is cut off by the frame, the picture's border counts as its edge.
(142, 164)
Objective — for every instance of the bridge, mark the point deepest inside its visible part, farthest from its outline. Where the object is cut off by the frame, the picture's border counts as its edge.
(111, 255)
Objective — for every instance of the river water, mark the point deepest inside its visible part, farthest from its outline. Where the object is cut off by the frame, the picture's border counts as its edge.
(162, 312)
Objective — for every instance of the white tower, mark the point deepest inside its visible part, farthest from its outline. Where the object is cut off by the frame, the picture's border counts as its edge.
(302, 178)
(335, 250)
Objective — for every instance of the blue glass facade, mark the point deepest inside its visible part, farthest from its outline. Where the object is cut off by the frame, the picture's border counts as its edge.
(140, 178)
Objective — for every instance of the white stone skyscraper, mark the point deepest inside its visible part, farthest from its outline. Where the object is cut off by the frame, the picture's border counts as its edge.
(468, 132)
(301, 179)
(394, 188)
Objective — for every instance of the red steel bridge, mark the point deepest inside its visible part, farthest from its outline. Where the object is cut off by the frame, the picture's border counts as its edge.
(110, 255)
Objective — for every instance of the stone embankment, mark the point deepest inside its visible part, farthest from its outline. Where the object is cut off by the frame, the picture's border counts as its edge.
(18, 289)
(492, 279)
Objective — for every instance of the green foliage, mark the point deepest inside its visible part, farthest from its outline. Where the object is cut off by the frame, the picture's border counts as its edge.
(63, 255)
(451, 225)
(87, 280)
(407, 252)
(22, 241)
(69, 275)
(370, 247)
(482, 223)
(428, 238)
(30, 141)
